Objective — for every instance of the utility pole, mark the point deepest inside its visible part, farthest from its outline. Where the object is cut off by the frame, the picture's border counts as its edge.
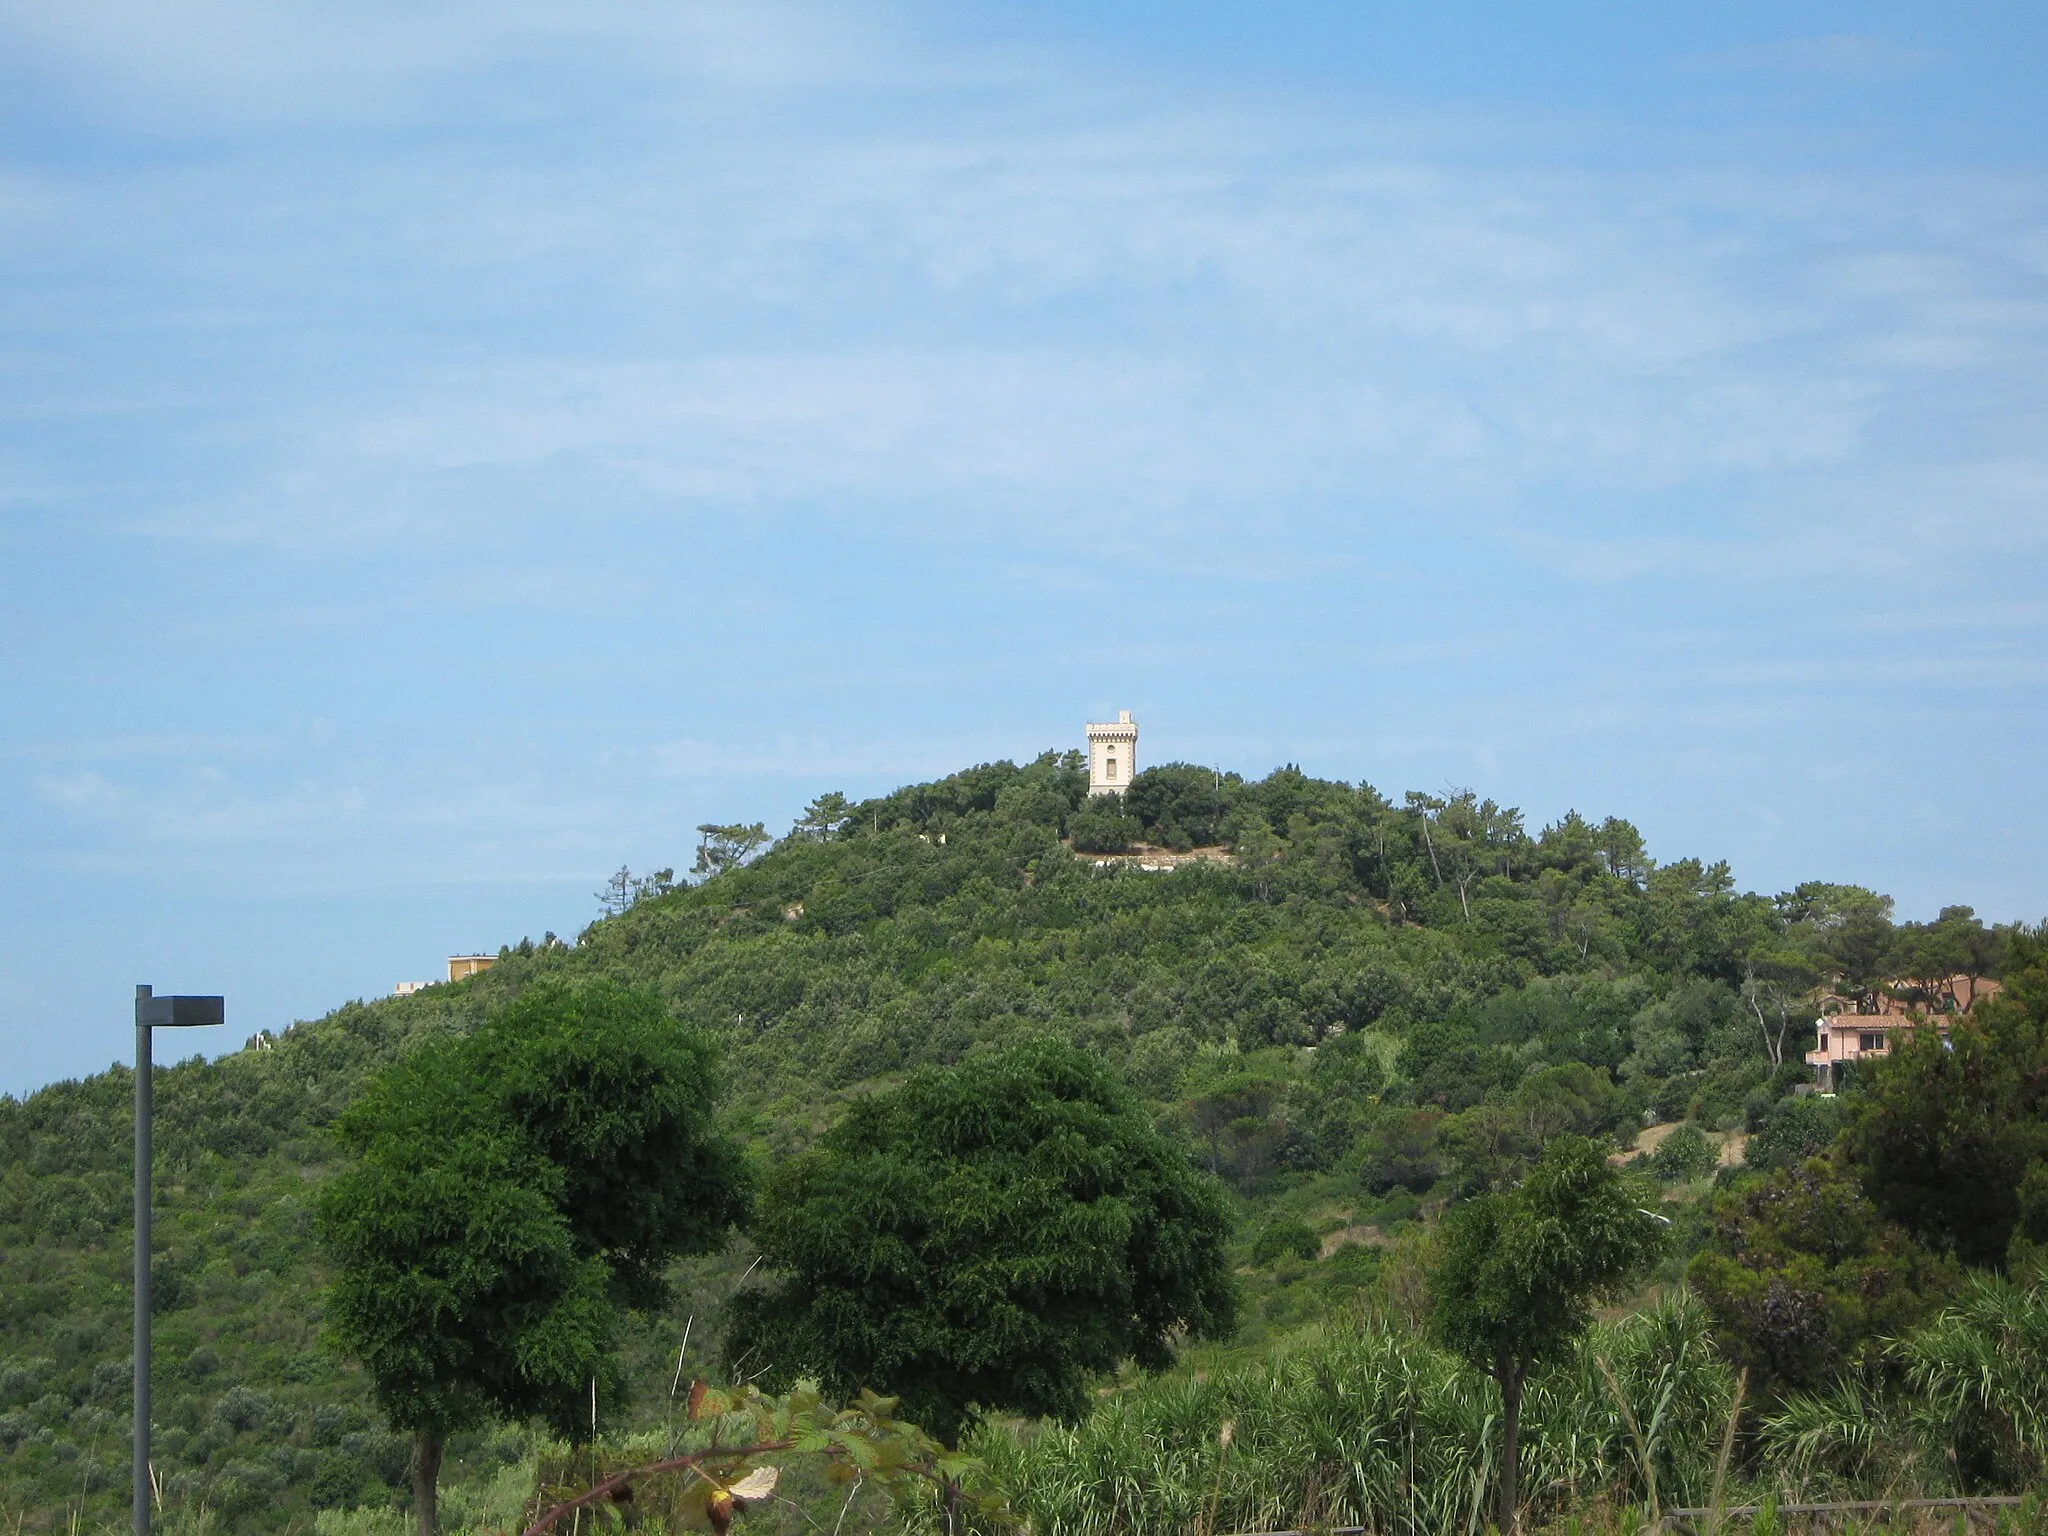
(151, 1013)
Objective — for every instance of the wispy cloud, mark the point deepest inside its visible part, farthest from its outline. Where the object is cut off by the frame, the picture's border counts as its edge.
(475, 444)
(1852, 55)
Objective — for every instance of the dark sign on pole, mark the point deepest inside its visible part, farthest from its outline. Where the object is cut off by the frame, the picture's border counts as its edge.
(151, 1012)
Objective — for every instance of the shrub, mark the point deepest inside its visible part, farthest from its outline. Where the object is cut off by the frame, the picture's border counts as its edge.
(1101, 825)
(1792, 1130)
(1683, 1156)
(1281, 1238)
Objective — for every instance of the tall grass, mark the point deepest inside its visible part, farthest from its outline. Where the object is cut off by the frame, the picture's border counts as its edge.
(1368, 1425)
(1373, 1427)
(1974, 1417)
(1981, 1368)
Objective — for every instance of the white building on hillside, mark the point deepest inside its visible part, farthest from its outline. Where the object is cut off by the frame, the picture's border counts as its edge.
(1112, 755)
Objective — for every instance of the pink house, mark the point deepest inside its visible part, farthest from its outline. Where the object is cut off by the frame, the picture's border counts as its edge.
(1846, 1037)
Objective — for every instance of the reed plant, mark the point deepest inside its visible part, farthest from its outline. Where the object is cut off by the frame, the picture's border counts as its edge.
(1368, 1426)
(1980, 1370)
(1974, 1416)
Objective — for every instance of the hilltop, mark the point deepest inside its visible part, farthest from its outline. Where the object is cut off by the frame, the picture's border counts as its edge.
(1353, 1008)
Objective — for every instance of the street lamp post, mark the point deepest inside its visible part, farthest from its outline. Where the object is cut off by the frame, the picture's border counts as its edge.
(151, 1012)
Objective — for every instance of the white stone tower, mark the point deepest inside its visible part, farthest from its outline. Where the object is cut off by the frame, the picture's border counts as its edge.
(1112, 755)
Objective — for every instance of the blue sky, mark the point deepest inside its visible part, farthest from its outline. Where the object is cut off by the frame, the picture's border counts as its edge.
(446, 453)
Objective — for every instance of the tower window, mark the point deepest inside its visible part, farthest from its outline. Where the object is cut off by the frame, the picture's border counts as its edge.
(1111, 771)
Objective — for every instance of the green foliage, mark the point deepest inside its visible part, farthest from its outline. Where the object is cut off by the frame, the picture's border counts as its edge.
(1977, 1421)
(1370, 1427)
(1552, 982)
(1682, 1156)
(1100, 824)
(729, 1456)
(983, 1238)
(512, 1190)
(1239, 1117)
(1182, 806)
(1792, 1130)
(1981, 1368)
(723, 848)
(1806, 1280)
(1400, 1151)
(1278, 1238)
(823, 817)
(1518, 1271)
(624, 890)
(1336, 1101)
(1951, 1135)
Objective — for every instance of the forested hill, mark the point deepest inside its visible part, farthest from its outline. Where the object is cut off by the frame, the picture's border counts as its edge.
(1466, 983)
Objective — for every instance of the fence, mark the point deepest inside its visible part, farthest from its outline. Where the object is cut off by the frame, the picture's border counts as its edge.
(1688, 1519)
(1888, 1509)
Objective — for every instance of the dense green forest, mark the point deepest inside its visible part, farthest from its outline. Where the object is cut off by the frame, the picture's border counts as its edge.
(1353, 1012)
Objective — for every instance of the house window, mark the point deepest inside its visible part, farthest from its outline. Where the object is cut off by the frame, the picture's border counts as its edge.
(1872, 1040)
(1823, 1039)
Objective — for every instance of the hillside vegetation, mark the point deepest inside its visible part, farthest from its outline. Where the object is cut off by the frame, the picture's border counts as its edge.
(1367, 1009)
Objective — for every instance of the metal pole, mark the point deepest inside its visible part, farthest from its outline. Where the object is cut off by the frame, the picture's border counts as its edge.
(144, 1069)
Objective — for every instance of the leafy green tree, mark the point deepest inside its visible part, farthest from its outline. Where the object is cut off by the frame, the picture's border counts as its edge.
(1489, 1145)
(1621, 845)
(1850, 929)
(1930, 956)
(1259, 848)
(1400, 1150)
(1682, 1156)
(512, 1191)
(1447, 1064)
(1950, 1133)
(1691, 919)
(625, 888)
(1100, 824)
(1180, 805)
(1281, 1239)
(617, 895)
(1980, 949)
(985, 1237)
(1781, 965)
(1806, 1280)
(722, 848)
(823, 817)
(1573, 1098)
(1337, 1101)
(1492, 1142)
(1517, 1272)
(1792, 1130)
(1233, 1117)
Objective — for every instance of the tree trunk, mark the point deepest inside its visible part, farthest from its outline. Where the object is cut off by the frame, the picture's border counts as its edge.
(1509, 1516)
(426, 1479)
(1775, 1052)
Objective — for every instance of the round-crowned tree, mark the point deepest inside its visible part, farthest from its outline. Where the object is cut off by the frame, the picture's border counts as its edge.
(1517, 1272)
(511, 1193)
(985, 1237)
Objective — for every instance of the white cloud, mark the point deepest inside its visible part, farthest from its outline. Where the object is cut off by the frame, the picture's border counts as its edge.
(1851, 55)
(206, 66)
(1027, 311)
